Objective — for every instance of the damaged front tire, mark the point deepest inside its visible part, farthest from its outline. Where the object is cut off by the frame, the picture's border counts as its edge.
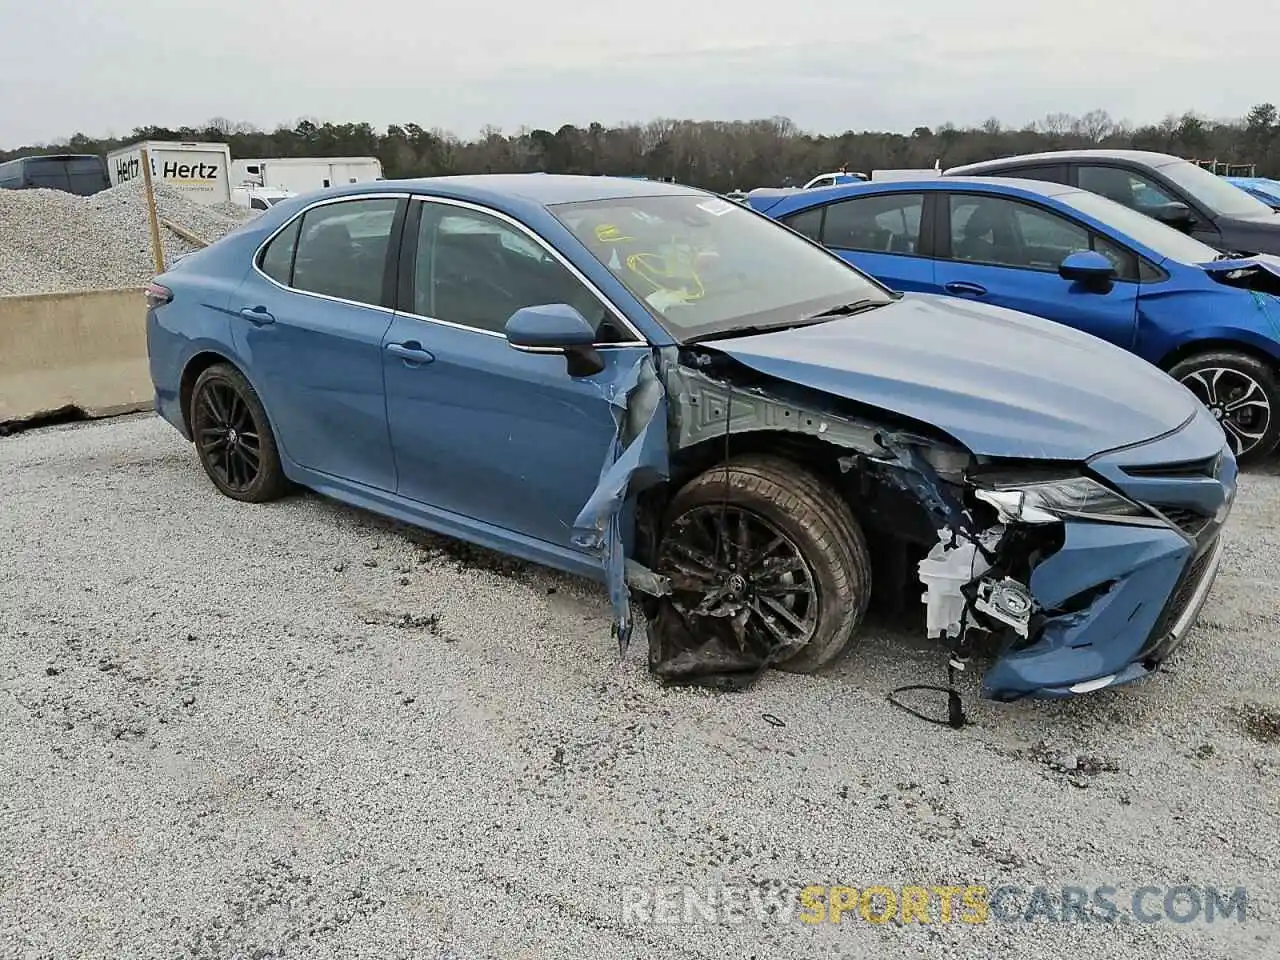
(768, 567)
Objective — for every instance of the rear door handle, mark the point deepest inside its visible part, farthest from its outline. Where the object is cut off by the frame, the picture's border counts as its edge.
(410, 352)
(963, 287)
(257, 315)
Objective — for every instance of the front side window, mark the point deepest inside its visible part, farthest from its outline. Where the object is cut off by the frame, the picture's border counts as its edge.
(476, 270)
(704, 266)
(1125, 187)
(342, 249)
(1003, 232)
(882, 224)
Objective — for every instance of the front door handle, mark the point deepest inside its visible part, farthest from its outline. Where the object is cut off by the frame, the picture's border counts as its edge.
(965, 288)
(410, 352)
(257, 315)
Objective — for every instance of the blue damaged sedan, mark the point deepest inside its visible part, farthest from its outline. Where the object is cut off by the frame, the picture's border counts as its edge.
(717, 418)
(1211, 320)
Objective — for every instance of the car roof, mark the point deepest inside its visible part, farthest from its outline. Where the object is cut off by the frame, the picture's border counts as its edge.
(813, 197)
(542, 189)
(1144, 157)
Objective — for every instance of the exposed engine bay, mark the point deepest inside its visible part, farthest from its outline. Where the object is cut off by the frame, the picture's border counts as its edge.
(971, 546)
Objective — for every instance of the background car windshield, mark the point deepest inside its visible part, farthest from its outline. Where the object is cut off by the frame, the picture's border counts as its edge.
(707, 265)
(1162, 239)
(1217, 195)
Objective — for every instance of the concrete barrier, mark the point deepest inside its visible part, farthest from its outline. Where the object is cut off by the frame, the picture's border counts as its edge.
(86, 350)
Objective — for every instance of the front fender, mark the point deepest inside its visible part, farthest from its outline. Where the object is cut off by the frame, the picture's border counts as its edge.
(1170, 323)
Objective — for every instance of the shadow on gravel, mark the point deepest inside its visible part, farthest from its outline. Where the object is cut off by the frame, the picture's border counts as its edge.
(51, 418)
(435, 547)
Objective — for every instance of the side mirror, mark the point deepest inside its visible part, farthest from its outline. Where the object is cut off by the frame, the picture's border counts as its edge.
(1088, 267)
(556, 328)
(1174, 214)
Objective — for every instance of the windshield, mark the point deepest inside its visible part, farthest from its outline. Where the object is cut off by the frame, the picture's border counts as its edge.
(1156, 236)
(1212, 192)
(704, 265)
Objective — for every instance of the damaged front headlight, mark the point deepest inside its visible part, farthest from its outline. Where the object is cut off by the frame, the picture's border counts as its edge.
(1049, 501)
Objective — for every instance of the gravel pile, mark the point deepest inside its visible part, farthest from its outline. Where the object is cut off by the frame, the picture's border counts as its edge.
(52, 241)
(293, 730)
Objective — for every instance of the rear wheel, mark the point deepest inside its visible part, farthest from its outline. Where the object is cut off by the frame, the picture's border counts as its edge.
(233, 438)
(1242, 392)
(772, 548)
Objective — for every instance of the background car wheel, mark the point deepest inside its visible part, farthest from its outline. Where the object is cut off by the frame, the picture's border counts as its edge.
(1242, 392)
(233, 438)
(772, 536)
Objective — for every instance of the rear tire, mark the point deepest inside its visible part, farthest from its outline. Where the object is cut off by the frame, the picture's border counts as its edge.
(779, 499)
(233, 437)
(1243, 392)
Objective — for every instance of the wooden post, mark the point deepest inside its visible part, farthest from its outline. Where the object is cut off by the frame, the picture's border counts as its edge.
(153, 218)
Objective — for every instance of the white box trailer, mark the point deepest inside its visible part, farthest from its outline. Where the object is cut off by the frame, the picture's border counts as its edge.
(202, 171)
(919, 173)
(304, 174)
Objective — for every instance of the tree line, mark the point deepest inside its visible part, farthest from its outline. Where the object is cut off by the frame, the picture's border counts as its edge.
(718, 155)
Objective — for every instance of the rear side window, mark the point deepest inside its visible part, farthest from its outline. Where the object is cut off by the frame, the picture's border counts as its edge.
(808, 222)
(1053, 173)
(883, 223)
(277, 259)
(342, 249)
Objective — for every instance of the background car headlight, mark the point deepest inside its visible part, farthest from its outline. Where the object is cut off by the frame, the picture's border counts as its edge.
(1053, 500)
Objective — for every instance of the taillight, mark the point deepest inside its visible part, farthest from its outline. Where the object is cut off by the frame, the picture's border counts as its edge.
(157, 295)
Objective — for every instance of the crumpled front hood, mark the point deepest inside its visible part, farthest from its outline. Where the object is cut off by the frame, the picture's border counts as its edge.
(1266, 261)
(1002, 383)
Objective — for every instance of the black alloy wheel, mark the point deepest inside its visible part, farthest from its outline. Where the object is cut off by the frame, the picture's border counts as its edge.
(233, 437)
(1242, 393)
(770, 550)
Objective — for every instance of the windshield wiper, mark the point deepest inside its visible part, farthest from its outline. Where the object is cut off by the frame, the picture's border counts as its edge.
(748, 331)
(840, 310)
(847, 309)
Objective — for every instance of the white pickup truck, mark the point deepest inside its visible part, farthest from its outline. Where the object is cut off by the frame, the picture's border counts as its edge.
(258, 198)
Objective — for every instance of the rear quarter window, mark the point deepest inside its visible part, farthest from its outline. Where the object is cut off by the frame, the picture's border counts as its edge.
(276, 261)
(808, 222)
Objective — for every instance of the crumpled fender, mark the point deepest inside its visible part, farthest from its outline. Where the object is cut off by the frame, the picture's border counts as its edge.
(637, 458)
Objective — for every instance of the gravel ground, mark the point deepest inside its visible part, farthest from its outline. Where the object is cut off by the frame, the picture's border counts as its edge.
(236, 731)
(55, 241)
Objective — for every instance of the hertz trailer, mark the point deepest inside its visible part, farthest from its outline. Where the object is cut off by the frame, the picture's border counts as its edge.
(305, 174)
(201, 171)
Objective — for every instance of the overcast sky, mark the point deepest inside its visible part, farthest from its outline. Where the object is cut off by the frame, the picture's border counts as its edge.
(830, 65)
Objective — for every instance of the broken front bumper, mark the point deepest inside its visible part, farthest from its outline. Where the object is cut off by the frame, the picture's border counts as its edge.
(1154, 584)
(1133, 591)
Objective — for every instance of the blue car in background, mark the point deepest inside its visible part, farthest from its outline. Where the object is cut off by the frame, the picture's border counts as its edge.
(1077, 258)
(1266, 190)
(653, 386)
